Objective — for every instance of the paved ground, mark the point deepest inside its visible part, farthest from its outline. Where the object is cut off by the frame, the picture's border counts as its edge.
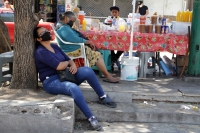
(164, 88)
(83, 127)
(167, 89)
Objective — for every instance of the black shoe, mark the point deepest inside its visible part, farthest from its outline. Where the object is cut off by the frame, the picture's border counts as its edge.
(95, 124)
(107, 102)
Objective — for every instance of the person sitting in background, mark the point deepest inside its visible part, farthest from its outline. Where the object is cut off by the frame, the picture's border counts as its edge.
(7, 5)
(115, 15)
(49, 59)
(142, 9)
(67, 33)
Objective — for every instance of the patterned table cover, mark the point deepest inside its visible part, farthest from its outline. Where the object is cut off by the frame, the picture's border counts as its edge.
(144, 42)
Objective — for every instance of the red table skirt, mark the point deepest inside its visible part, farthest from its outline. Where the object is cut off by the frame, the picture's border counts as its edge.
(144, 42)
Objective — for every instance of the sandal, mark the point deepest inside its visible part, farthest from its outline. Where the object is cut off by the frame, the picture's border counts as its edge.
(106, 80)
(112, 74)
(107, 102)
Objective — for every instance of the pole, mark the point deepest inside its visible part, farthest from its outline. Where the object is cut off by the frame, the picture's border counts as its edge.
(194, 58)
(114, 2)
(132, 31)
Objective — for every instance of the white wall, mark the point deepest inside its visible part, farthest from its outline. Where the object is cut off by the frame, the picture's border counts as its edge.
(164, 7)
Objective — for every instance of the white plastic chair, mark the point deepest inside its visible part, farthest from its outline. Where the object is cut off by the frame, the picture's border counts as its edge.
(83, 55)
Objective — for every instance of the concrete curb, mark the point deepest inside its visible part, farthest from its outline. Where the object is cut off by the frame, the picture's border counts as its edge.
(140, 112)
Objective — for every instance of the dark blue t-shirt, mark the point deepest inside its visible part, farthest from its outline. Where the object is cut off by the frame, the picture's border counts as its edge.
(47, 61)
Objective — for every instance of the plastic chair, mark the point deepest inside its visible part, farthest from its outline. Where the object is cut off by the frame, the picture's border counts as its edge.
(6, 58)
(144, 68)
(83, 54)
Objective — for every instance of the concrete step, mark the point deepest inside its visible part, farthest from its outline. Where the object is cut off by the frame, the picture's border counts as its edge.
(130, 127)
(156, 112)
(166, 98)
(128, 94)
(128, 97)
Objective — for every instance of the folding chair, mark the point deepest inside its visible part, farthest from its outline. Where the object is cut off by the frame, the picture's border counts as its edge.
(83, 55)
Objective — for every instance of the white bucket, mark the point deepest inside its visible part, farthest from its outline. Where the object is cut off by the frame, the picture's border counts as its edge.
(129, 68)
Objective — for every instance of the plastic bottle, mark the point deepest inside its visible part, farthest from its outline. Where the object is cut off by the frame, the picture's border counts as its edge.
(81, 16)
(182, 16)
(190, 16)
(178, 16)
(84, 25)
(114, 21)
(187, 14)
(129, 25)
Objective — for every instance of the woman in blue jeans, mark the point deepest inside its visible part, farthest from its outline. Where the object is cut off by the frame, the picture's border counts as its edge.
(49, 58)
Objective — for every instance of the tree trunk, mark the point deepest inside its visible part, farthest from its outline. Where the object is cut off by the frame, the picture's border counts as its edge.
(4, 37)
(24, 69)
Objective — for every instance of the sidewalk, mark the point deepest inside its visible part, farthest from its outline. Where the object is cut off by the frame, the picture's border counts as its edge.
(128, 127)
(160, 88)
(163, 104)
(145, 105)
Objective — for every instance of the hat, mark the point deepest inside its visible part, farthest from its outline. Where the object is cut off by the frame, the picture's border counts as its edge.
(114, 8)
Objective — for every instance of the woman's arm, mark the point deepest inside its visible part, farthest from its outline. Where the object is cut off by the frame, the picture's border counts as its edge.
(67, 34)
(63, 65)
(147, 12)
(137, 11)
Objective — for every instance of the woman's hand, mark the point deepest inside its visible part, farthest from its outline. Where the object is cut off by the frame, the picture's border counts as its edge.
(72, 68)
(92, 45)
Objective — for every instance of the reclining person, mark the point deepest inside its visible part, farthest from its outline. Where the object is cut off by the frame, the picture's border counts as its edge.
(49, 59)
(67, 33)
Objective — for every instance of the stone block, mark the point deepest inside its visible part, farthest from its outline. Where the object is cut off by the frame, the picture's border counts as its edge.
(19, 116)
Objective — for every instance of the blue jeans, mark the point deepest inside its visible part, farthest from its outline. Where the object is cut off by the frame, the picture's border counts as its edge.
(53, 86)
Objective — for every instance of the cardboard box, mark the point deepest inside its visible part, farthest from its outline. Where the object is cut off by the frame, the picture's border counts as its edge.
(181, 60)
(170, 18)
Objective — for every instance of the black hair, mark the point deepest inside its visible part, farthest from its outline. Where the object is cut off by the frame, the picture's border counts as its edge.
(140, 2)
(80, 7)
(67, 14)
(114, 8)
(61, 17)
(35, 35)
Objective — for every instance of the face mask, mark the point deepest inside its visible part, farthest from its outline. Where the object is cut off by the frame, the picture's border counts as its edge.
(46, 36)
(70, 23)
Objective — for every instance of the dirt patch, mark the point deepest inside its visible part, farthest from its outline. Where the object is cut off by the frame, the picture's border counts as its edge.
(24, 94)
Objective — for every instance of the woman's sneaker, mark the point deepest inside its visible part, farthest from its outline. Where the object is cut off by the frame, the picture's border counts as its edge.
(94, 123)
(107, 102)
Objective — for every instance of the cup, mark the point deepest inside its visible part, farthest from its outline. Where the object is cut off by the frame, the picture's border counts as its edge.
(158, 29)
(122, 28)
(142, 28)
(149, 28)
(154, 19)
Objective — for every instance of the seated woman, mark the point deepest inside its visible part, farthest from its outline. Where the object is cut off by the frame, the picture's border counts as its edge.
(67, 33)
(50, 58)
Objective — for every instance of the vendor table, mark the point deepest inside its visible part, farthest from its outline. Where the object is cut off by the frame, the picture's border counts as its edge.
(143, 42)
